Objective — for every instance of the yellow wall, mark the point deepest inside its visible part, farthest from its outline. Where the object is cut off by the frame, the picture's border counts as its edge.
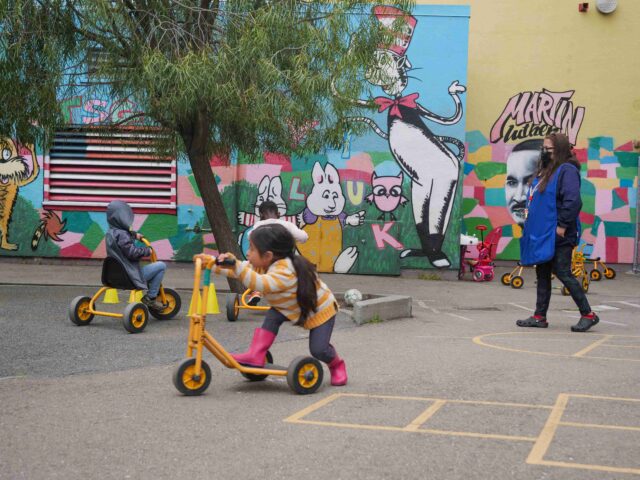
(527, 45)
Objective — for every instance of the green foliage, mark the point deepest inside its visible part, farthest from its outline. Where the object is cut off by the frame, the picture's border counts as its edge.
(259, 74)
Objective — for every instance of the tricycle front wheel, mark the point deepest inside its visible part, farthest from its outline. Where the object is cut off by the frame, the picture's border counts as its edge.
(187, 382)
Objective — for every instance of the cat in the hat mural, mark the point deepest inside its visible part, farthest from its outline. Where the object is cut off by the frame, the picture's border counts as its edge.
(427, 158)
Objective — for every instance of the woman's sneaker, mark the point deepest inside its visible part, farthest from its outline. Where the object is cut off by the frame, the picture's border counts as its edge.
(533, 321)
(585, 322)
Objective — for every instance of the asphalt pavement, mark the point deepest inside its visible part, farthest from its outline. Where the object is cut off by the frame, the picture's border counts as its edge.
(456, 391)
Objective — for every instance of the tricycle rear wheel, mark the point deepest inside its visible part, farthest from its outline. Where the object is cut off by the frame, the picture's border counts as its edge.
(174, 303)
(135, 318)
(252, 377)
(233, 307)
(304, 375)
(79, 311)
(517, 281)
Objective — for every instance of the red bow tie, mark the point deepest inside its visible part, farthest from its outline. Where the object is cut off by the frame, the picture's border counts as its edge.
(384, 103)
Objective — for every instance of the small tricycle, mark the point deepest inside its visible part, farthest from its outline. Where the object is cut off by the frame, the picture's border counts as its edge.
(595, 274)
(578, 269)
(481, 268)
(236, 302)
(514, 278)
(136, 315)
(193, 375)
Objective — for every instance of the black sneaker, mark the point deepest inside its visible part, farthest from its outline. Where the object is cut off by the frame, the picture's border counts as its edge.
(585, 323)
(533, 322)
(152, 304)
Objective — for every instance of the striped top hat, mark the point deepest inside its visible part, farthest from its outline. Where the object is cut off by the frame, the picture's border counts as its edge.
(387, 15)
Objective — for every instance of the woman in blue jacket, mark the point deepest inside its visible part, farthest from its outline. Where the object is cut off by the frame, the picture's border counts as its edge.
(552, 229)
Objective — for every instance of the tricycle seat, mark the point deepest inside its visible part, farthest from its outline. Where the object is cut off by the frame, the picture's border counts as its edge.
(114, 275)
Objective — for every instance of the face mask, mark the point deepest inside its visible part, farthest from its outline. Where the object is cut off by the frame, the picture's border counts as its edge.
(545, 158)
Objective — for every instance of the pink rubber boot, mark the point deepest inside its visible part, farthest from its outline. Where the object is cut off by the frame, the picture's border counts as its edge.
(338, 371)
(255, 356)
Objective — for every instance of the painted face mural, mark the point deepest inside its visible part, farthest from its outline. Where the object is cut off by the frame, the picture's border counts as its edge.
(522, 164)
(386, 193)
(425, 157)
(18, 167)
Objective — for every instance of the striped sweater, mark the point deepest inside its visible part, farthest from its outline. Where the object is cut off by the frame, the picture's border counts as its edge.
(279, 285)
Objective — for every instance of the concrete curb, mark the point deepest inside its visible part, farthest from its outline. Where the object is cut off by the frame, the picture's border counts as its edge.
(380, 308)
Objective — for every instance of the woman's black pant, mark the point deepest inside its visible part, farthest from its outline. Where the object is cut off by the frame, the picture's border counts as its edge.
(560, 264)
(319, 337)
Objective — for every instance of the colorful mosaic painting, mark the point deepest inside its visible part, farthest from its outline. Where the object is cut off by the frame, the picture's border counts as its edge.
(492, 193)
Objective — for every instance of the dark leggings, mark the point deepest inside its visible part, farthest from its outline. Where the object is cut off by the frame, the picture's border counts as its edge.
(319, 337)
(560, 264)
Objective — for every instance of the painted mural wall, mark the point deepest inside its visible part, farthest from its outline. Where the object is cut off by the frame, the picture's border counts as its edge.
(535, 68)
(386, 200)
(538, 67)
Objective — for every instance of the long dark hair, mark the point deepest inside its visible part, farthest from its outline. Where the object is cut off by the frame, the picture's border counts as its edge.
(278, 240)
(562, 153)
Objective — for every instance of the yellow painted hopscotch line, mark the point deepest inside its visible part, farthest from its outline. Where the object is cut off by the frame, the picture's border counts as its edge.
(481, 340)
(593, 346)
(415, 424)
(541, 443)
(536, 456)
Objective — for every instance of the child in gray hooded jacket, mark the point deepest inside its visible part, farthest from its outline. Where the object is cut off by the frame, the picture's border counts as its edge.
(120, 242)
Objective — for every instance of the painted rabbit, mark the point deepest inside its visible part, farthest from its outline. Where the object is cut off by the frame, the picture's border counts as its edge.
(268, 189)
(323, 219)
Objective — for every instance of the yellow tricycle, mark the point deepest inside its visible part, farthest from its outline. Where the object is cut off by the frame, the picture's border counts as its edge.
(136, 315)
(595, 274)
(514, 278)
(578, 269)
(236, 302)
(193, 376)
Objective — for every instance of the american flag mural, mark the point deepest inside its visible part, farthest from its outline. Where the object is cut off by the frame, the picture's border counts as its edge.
(86, 169)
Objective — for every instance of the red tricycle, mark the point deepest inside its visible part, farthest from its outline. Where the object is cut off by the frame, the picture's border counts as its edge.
(482, 267)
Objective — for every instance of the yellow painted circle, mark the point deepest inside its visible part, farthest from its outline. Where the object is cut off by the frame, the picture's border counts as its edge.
(516, 282)
(488, 340)
(609, 273)
(304, 370)
(189, 373)
(82, 310)
(138, 317)
(236, 307)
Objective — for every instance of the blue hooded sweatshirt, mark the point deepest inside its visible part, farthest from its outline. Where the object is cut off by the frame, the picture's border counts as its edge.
(558, 206)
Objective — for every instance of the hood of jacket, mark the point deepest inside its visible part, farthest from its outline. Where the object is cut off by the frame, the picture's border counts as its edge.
(120, 215)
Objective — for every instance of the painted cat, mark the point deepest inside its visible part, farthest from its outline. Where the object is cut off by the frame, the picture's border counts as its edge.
(15, 171)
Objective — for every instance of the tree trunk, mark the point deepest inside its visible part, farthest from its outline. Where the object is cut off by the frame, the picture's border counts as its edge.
(196, 140)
